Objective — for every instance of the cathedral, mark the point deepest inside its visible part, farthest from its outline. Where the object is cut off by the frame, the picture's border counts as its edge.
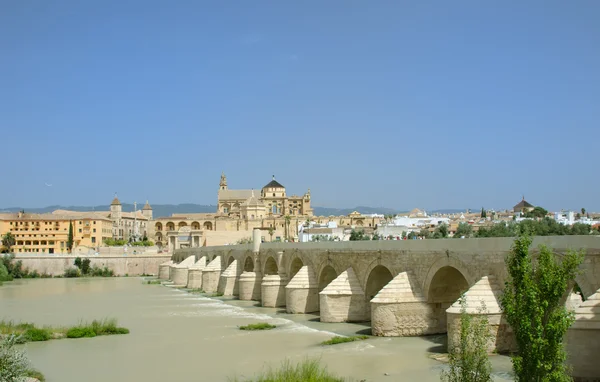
(271, 202)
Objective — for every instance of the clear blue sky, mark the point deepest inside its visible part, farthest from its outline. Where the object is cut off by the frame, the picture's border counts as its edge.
(402, 104)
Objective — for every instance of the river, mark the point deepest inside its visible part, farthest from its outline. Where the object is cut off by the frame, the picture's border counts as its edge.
(178, 336)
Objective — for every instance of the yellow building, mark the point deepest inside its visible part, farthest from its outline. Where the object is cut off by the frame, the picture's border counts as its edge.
(49, 233)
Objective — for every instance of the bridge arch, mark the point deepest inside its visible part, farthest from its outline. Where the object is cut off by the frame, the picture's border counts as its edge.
(249, 264)
(230, 260)
(326, 276)
(270, 266)
(448, 275)
(378, 277)
(295, 266)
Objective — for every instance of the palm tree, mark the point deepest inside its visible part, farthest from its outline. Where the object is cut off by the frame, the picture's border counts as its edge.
(271, 232)
(583, 211)
(288, 219)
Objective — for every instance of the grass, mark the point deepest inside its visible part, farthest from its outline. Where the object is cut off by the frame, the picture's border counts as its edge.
(153, 282)
(309, 370)
(340, 340)
(258, 326)
(28, 332)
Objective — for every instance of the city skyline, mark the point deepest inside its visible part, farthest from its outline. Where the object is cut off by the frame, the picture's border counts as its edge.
(399, 105)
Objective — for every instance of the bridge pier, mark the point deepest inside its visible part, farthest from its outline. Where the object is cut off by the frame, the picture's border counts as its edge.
(250, 285)
(163, 270)
(228, 282)
(211, 274)
(195, 274)
(343, 300)
(302, 292)
(401, 310)
(583, 340)
(180, 271)
(488, 291)
(273, 291)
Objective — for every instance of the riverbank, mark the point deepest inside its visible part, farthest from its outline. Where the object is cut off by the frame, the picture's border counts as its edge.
(120, 265)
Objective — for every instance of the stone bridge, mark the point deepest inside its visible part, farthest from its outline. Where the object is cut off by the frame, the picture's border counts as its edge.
(404, 288)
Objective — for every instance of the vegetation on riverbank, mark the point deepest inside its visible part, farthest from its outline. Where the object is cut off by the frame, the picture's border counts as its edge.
(340, 340)
(14, 364)
(28, 332)
(309, 370)
(258, 326)
(153, 282)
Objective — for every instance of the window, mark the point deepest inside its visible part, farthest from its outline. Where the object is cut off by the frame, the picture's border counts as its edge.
(79, 230)
(94, 222)
(93, 239)
(273, 194)
(94, 230)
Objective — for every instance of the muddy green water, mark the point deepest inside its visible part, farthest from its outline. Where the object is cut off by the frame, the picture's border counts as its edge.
(177, 336)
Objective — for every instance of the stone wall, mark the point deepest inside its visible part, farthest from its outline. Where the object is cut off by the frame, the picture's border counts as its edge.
(120, 265)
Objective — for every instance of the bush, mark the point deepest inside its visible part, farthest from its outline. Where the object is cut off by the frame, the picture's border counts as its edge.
(4, 275)
(340, 340)
(80, 332)
(259, 326)
(13, 363)
(72, 272)
(33, 373)
(306, 371)
(96, 271)
(36, 334)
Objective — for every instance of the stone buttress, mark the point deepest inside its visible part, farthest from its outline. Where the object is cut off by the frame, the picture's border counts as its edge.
(210, 275)
(273, 290)
(583, 341)
(180, 272)
(228, 282)
(400, 309)
(163, 270)
(195, 274)
(302, 292)
(343, 300)
(488, 291)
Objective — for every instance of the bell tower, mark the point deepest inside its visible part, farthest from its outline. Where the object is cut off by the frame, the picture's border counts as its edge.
(223, 183)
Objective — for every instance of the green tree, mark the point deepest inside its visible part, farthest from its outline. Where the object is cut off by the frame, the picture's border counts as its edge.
(537, 212)
(532, 305)
(412, 235)
(424, 232)
(70, 237)
(463, 229)
(441, 231)
(8, 241)
(468, 361)
(358, 235)
(483, 213)
(583, 211)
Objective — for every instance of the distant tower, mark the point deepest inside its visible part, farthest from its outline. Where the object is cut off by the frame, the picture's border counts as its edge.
(147, 211)
(116, 209)
(223, 183)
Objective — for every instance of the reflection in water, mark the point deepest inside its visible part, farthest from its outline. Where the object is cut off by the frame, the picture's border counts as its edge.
(177, 336)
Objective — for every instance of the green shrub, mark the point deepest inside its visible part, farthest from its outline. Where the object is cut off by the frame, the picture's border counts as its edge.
(309, 370)
(340, 340)
(96, 271)
(72, 272)
(259, 326)
(80, 332)
(36, 334)
(33, 373)
(4, 275)
(13, 362)
(156, 282)
(33, 275)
